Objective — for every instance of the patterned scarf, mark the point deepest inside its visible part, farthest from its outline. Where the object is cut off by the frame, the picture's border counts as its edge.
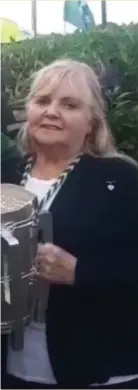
(56, 185)
(40, 302)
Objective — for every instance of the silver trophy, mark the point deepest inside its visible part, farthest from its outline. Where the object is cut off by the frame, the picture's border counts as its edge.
(20, 228)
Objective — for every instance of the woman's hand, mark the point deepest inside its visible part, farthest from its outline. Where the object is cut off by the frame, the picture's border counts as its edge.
(55, 264)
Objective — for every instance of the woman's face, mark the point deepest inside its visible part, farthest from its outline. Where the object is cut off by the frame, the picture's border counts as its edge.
(63, 116)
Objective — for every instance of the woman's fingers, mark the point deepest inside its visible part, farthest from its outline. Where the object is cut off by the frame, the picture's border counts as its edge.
(55, 264)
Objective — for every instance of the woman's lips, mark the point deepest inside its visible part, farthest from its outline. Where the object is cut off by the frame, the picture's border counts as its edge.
(50, 127)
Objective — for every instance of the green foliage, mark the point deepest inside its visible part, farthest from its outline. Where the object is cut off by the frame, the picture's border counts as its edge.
(8, 147)
(114, 51)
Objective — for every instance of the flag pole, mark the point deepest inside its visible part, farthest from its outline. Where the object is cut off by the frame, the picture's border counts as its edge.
(104, 13)
(65, 28)
(34, 16)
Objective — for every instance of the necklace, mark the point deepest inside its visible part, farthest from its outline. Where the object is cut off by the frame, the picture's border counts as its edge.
(56, 185)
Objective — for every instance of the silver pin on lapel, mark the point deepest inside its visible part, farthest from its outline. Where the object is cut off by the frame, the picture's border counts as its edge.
(110, 185)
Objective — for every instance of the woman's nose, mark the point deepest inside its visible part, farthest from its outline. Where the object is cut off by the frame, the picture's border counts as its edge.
(51, 110)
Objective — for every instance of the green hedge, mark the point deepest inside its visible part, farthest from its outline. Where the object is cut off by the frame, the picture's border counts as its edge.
(114, 50)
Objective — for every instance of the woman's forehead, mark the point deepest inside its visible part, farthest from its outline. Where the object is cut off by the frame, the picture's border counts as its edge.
(71, 83)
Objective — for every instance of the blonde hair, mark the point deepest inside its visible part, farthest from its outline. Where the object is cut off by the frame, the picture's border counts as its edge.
(101, 142)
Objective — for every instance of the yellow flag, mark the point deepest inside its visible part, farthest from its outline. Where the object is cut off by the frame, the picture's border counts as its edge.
(9, 30)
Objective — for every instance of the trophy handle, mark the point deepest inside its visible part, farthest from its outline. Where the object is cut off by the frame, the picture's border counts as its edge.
(9, 249)
(45, 227)
(45, 234)
(9, 246)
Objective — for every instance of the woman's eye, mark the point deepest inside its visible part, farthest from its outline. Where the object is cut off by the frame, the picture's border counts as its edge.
(70, 105)
(44, 102)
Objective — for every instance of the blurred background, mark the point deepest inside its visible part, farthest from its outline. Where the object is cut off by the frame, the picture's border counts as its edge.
(102, 33)
(46, 16)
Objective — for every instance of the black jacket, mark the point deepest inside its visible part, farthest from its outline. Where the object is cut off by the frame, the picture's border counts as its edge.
(92, 327)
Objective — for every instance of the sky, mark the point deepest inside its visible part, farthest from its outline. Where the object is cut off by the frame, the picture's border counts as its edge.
(50, 13)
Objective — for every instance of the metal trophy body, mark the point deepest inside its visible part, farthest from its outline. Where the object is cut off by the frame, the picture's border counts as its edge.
(19, 238)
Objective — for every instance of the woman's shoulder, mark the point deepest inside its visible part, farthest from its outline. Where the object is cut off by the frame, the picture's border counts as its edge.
(117, 160)
(117, 165)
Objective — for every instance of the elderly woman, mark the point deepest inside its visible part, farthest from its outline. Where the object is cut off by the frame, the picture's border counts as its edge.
(89, 334)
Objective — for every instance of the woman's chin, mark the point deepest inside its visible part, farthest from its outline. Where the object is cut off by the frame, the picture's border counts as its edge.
(49, 141)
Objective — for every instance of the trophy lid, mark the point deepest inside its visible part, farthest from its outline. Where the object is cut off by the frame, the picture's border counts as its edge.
(17, 204)
(14, 197)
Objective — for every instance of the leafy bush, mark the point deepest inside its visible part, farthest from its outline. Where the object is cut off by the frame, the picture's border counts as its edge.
(113, 50)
